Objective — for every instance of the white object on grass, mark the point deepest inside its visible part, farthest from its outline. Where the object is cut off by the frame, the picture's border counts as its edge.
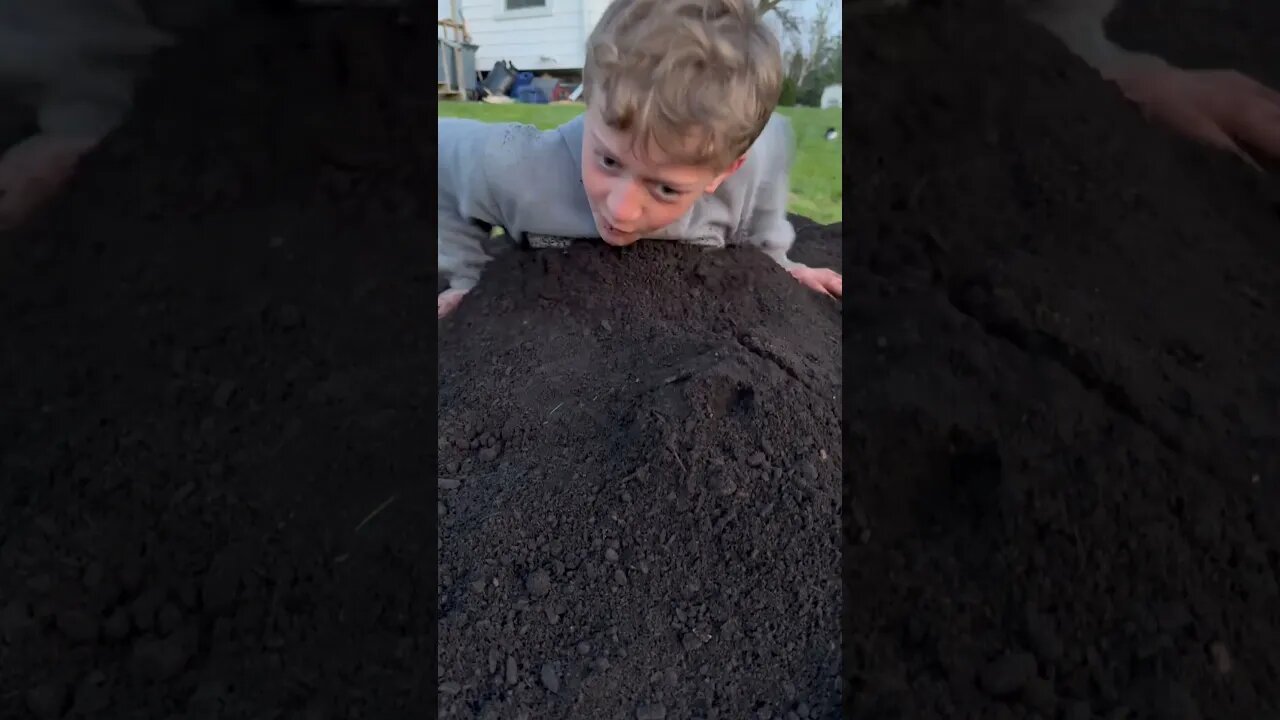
(832, 96)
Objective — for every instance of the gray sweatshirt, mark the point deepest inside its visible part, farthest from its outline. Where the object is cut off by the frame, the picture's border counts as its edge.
(529, 182)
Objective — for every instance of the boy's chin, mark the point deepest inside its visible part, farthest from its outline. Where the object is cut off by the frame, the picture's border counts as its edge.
(619, 241)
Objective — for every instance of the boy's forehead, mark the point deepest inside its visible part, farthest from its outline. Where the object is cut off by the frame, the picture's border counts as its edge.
(625, 143)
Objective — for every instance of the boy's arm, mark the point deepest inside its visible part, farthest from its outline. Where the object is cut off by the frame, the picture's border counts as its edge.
(1221, 108)
(1080, 25)
(768, 227)
(460, 255)
(468, 203)
(774, 234)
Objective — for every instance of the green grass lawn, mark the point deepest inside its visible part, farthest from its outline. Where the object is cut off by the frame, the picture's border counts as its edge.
(816, 187)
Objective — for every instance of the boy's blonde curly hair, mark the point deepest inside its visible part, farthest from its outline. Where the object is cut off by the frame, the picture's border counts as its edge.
(698, 79)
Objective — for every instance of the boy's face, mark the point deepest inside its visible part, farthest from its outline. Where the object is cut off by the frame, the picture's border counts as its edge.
(633, 195)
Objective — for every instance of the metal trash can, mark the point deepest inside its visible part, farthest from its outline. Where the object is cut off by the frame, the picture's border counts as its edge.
(445, 61)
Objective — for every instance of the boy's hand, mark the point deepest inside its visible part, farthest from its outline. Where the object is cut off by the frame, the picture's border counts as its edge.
(827, 282)
(447, 301)
(1222, 108)
(33, 171)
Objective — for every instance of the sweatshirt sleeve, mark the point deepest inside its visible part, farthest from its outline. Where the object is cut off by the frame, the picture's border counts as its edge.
(468, 206)
(1081, 26)
(766, 225)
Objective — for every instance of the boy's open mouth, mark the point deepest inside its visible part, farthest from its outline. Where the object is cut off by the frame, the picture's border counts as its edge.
(614, 234)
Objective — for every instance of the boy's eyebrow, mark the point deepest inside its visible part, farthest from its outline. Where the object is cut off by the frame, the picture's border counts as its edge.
(600, 141)
(675, 185)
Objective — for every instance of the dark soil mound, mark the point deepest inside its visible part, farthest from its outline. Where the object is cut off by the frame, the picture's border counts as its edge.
(1063, 355)
(1063, 457)
(216, 362)
(639, 474)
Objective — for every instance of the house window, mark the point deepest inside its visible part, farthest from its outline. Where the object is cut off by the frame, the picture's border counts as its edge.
(524, 4)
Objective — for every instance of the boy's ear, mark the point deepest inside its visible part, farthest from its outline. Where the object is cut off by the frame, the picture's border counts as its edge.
(733, 168)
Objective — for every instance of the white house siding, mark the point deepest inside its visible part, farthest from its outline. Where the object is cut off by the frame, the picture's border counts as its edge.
(595, 8)
(550, 39)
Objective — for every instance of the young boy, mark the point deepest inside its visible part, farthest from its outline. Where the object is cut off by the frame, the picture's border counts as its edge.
(679, 142)
(75, 62)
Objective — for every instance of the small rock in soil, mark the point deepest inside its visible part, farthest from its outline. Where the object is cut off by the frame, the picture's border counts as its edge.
(222, 396)
(551, 678)
(169, 618)
(93, 694)
(1173, 616)
(159, 659)
(1221, 657)
(1173, 701)
(1042, 637)
(538, 583)
(1008, 673)
(289, 317)
(116, 626)
(144, 609)
(221, 582)
(15, 620)
(92, 575)
(47, 700)
(1039, 694)
(809, 471)
(1078, 710)
(655, 711)
(78, 626)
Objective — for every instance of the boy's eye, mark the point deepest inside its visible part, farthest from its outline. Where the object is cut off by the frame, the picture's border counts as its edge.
(668, 192)
(608, 162)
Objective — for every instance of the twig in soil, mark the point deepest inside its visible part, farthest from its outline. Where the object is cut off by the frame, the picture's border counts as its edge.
(671, 448)
(375, 512)
(554, 409)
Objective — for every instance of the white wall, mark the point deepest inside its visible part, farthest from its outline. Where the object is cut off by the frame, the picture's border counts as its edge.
(595, 8)
(550, 38)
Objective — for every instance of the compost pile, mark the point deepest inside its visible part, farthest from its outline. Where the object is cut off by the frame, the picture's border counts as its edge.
(639, 486)
(1063, 381)
(216, 365)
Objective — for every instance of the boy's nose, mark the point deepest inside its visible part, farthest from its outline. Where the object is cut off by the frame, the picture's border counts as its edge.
(624, 204)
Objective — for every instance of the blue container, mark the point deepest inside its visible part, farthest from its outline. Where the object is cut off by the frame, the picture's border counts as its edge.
(531, 94)
(523, 79)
